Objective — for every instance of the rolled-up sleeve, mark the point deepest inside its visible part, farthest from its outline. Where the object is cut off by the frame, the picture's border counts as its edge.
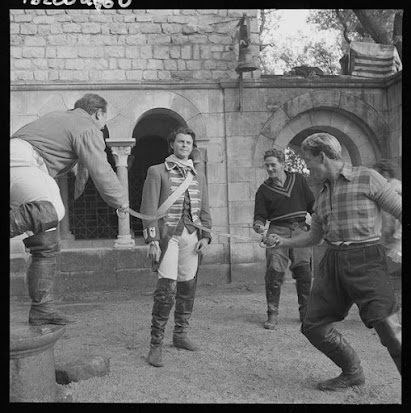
(90, 149)
(316, 231)
(385, 195)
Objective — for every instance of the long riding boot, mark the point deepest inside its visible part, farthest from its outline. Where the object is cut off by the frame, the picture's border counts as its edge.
(389, 331)
(331, 343)
(273, 281)
(38, 217)
(303, 276)
(40, 277)
(184, 307)
(163, 303)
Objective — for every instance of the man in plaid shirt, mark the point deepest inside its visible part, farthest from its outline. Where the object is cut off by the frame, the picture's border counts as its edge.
(347, 216)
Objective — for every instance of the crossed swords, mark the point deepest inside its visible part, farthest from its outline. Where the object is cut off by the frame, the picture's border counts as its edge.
(264, 242)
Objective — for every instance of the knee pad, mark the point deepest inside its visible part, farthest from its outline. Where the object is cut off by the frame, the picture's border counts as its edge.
(37, 216)
(43, 245)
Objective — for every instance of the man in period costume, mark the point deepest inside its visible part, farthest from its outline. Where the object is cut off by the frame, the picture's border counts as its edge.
(40, 152)
(175, 243)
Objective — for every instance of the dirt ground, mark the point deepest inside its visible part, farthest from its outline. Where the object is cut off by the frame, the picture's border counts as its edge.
(240, 361)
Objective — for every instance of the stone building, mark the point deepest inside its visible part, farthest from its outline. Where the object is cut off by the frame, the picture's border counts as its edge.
(162, 68)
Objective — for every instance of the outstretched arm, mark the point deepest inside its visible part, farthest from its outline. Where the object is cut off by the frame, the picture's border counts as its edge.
(306, 239)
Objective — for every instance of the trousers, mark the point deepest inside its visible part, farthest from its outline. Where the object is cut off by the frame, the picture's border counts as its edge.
(351, 275)
(180, 261)
(278, 258)
(29, 178)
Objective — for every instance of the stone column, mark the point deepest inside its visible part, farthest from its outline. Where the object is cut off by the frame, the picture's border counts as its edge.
(121, 150)
(64, 227)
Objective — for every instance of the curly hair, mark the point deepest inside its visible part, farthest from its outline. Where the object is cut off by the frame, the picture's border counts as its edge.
(276, 153)
(322, 142)
(91, 103)
(185, 131)
(385, 165)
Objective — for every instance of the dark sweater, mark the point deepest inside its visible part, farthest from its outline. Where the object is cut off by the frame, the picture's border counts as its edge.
(282, 203)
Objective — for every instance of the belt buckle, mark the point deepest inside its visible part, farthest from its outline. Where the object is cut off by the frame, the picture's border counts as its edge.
(294, 225)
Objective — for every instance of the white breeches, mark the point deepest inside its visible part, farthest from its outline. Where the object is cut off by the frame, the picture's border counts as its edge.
(180, 261)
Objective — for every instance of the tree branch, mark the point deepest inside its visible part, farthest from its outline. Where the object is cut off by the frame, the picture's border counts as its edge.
(370, 24)
(344, 24)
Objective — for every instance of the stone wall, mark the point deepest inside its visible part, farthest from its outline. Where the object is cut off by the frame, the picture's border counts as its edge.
(274, 110)
(126, 45)
(394, 114)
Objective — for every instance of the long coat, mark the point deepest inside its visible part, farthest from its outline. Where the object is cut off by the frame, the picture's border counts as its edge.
(157, 188)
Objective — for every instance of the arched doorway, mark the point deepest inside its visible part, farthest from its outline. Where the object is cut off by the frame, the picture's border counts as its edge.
(151, 148)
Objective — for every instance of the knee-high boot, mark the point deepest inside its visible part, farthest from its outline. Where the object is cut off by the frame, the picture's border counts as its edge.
(273, 281)
(184, 307)
(40, 277)
(332, 344)
(389, 331)
(303, 276)
(38, 217)
(163, 303)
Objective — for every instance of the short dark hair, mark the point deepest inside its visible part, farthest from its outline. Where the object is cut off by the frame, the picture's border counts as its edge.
(91, 103)
(185, 131)
(276, 153)
(385, 165)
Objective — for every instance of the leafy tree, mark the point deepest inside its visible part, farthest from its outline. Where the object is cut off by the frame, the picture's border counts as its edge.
(294, 163)
(376, 25)
(283, 53)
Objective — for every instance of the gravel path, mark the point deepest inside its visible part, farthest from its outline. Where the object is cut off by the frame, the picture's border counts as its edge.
(240, 361)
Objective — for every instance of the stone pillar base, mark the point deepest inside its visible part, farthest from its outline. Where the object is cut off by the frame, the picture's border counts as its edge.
(32, 368)
(124, 241)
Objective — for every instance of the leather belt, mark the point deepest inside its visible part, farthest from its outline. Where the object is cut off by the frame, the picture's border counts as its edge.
(351, 245)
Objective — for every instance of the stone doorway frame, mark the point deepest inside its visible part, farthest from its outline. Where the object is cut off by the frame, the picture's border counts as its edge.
(360, 129)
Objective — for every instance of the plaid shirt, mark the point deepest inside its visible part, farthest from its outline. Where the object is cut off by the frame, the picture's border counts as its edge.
(351, 209)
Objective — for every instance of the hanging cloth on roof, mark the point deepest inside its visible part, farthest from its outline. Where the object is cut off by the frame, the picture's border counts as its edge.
(373, 60)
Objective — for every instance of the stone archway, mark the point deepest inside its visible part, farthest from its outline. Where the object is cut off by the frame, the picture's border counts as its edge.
(128, 109)
(147, 118)
(360, 129)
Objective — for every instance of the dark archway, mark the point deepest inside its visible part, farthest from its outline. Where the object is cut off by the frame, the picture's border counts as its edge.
(151, 148)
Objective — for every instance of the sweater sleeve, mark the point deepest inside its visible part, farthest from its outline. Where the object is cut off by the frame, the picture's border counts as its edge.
(260, 209)
(90, 149)
(149, 204)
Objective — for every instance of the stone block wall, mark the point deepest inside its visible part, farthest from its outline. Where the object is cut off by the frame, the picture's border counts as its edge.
(126, 45)
(234, 141)
(394, 115)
